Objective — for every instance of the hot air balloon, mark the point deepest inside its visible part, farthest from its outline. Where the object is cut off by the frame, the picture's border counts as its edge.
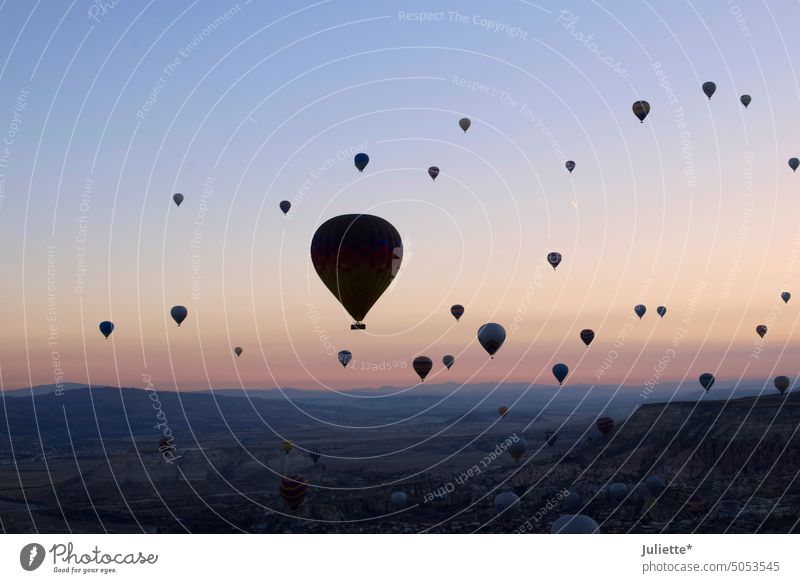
(761, 329)
(361, 160)
(517, 449)
(177, 198)
(287, 446)
(709, 87)
(457, 310)
(285, 206)
(422, 366)
(314, 454)
(793, 164)
(293, 490)
(448, 360)
(433, 172)
(695, 504)
(179, 314)
(238, 350)
(661, 310)
(491, 336)
(605, 425)
(464, 123)
(786, 296)
(399, 500)
(570, 166)
(617, 491)
(587, 336)
(106, 328)
(640, 110)
(654, 484)
(554, 258)
(574, 524)
(560, 371)
(506, 502)
(782, 383)
(551, 437)
(745, 99)
(706, 380)
(640, 309)
(571, 502)
(345, 356)
(503, 411)
(357, 257)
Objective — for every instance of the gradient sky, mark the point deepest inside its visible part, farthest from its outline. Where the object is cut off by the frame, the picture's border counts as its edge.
(695, 209)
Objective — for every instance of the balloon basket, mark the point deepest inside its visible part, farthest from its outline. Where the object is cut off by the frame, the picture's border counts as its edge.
(358, 326)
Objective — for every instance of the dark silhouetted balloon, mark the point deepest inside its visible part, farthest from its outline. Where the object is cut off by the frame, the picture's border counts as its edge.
(357, 257)
(560, 371)
(285, 206)
(464, 123)
(761, 330)
(177, 198)
(491, 336)
(399, 500)
(570, 166)
(448, 360)
(782, 383)
(238, 350)
(293, 490)
(422, 366)
(457, 310)
(786, 296)
(709, 87)
(503, 411)
(640, 109)
(654, 484)
(745, 99)
(433, 172)
(106, 328)
(517, 449)
(695, 504)
(706, 380)
(574, 524)
(345, 356)
(178, 314)
(361, 160)
(617, 491)
(587, 336)
(507, 503)
(605, 425)
(554, 258)
(661, 310)
(640, 310)
(794, 163)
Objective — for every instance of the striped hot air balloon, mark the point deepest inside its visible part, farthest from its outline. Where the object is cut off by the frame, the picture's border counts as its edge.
(293, 490)
(605, 425)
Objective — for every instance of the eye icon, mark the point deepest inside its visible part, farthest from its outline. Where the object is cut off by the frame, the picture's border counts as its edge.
(31, 556)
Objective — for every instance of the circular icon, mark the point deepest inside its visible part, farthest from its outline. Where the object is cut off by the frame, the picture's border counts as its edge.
(31, 556)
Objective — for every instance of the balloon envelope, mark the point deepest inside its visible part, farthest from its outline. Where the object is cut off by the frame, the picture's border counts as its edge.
(361, 160)
(503, 411)
(433, 172)
(661, 310)
(761, 330)
(587, 336)
(179, 314)
(345, 356)
(491, 336)
(399, 500)
(507, 502)
(177, 198)
(287, 446)
(448, 360)
(794, 163)
(464, 123)
(782, 383)
(786, 296)
(654, 484)
(571, 502)
(745, 99)
(640, 309)
(709, 87)
(560, 371)
(517, 449)
(285, 206)
(422, 366)
(106, 328)
(706, 380)
(574, 524)
(617, 491)
(554, 258)
(605, 425)
(640, 109)
(238, 350)
(570, 166)
(457, 310)
(293, 490)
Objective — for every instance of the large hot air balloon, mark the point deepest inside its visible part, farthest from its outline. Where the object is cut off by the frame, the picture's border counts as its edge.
(640, 110)
(661, 310)
(506, 502)
(491, 336)
(357, 257)
(617, 491)
(177, 198)
(745, 99)
(560, 371)
(554, 258)
(794, 163)
(605, 425)
(448, 360)
(422, 366)
(361, 160)
(345, 356)
(706, 380)
(179, 314)
(293, 490)
(285, 206)
(399, 500)
(654, 484)
(786, 296)
(761, 330)
(782, 383)
(503, 411)
(106, 328)
(238, 350)
(433, 172)
(457, 310)
(695, 504)
(517, 449)
(574, 524)
(570, 166)
(640, 309)
(587, 336)
(464, 123)
(709, 87)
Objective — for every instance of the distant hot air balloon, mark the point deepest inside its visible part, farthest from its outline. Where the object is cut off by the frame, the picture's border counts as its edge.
(695, 504)
(617, 491)
(448, 360)
(654, 484)
(177, 198)
(357, 257)
(570, 165)
(422, 366)
(491, 336)
(794, 163)
(287, 446)
(641, 109)
(560, 371)
(605, 425)
(433, 172)
(661, 310)
(786, 296)
(551, 437)
(574, 524)
(782, 383)
(706, 380)
(554, 258)
(361, 160)
(399, 500)
(709, 87)
(761, 330)
(507, 503)
(106, 328)
(464, 123)
(503, 411)
(745, 99)
(457, 310)
(293, 490)
(517, 449)
(285, 206)
(238, 350)
(587, 336)
(640, 309)
(345, 356)
(314, 454)
(179, 314)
